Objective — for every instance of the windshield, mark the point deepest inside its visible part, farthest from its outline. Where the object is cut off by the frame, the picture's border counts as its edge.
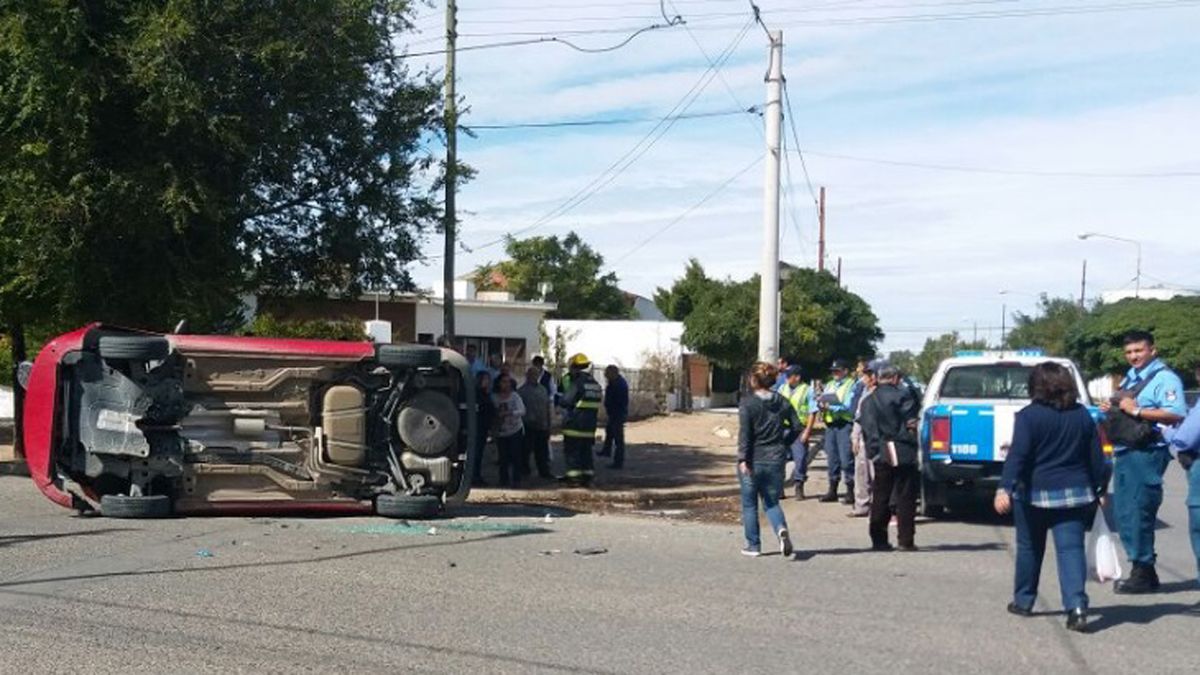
(992, 381)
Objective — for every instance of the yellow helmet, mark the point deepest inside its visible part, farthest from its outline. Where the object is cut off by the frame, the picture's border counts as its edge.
(580, 361)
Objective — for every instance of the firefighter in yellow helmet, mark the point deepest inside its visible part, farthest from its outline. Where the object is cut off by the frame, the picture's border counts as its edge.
(581, 402)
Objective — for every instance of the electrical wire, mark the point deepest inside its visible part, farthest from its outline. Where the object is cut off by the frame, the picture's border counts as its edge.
(538, 40)
(752, 110)
(687, 212)
(1010, 172)
(626, 160)
(791, 118)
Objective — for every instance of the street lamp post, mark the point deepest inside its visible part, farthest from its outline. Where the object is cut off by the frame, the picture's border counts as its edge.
(1137, 279)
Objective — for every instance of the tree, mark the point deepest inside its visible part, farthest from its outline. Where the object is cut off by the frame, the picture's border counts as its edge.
(1096, 341)
(1047, 330)
(678, 301)
(905, 360)
(346, 328)
(938, 349)
(159, 158)
(819, 321)
(570, 266)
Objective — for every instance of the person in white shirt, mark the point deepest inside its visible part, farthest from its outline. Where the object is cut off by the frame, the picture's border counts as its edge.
(510, 431)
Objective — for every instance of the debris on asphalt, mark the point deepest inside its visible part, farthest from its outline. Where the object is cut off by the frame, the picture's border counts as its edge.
(548, 519)
(721, 432)
(453, 564)
(204, 553)
(433, 531)
(591, 550)
(552, 551)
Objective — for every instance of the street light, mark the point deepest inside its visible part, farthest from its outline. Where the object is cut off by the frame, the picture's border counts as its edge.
(1137, 280)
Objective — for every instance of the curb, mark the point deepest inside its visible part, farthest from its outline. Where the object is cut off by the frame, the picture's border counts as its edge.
(14, 468)
(583, 496)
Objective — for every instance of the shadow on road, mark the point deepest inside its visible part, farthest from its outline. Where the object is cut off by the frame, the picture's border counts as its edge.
(273, 563)
(476, 510)
(11, 539)
(1108, 617)
(935, 548)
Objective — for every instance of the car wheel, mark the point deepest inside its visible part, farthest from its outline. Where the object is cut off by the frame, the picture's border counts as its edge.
(408, 506)
(134, 348)
(124, 506)
(408, 356)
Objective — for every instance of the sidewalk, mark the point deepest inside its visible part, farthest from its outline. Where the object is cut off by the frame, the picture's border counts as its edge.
(671, 458)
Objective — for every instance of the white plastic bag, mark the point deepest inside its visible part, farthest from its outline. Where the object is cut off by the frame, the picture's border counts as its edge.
(1104, 561)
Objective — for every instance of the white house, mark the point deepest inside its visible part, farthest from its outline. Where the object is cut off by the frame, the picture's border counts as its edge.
(493, 321)
(626, 344)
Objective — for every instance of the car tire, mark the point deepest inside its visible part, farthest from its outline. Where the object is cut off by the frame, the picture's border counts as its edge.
(124, 506)
(134, 348)
(408, 506)
(408, 356)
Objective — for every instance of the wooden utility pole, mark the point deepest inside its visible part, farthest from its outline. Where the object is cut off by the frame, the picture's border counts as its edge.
(450, 225)
(821, 236)
(1083, 288)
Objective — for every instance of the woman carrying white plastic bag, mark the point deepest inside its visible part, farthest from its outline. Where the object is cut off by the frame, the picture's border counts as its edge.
(1104, 562)
(1053, 477)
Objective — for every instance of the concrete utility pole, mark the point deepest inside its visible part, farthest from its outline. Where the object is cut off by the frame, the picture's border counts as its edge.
(768, 299)
(450, 225)
(821, 234)
(839, 271)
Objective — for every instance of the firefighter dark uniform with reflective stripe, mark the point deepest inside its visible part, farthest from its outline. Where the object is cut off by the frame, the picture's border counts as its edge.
(581, 402)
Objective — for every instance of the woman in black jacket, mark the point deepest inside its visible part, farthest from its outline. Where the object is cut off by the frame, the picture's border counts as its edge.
(1053, 477)
(768, 426)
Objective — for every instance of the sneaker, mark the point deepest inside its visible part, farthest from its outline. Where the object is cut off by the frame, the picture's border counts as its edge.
(785, 544)
(751, 552)
(883, 547)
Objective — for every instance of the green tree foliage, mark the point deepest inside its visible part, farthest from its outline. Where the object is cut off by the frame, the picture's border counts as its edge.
(266, 325)
(1046, 330)
(1095, 343)
(938, 349)
(819, 321)
(570, 266)
(157, 158)
(905, 360)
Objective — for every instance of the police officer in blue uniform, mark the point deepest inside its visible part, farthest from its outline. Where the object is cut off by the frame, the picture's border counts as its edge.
(1151, 395)
(1185, 443)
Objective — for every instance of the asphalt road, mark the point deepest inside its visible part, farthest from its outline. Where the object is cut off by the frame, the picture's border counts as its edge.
(501, 590)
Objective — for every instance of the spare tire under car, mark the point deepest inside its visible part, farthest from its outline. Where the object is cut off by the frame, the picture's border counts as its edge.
(408, 506)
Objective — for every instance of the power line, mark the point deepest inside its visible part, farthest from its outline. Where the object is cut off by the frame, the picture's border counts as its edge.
(1010, 172)
(703, 200)
(752, 110)
(543, 38)
(639, 149)
(791, 118)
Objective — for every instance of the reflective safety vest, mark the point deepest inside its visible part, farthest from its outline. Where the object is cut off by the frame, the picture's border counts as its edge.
(582, 402)
(843, 393)
(798, 397)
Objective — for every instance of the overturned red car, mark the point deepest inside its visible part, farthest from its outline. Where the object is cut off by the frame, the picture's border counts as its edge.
(142, 425)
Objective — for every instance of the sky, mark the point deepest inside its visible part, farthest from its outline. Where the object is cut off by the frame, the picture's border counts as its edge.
(1030, 126)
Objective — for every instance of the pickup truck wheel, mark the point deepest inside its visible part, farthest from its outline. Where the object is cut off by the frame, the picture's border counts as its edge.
(408, 506)
(124, 506)
(134, 348)
(408, 356)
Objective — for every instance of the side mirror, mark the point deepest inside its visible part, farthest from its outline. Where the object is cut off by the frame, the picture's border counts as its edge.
(24, 369)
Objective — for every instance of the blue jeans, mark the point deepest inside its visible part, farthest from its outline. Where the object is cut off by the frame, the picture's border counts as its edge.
(800, 459)
(839, 455)
(766, 482)
(1068, 527)
(1193, 505)
(1137, 494)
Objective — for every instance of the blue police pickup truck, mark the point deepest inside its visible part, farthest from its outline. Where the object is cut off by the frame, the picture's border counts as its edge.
(967, 423)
